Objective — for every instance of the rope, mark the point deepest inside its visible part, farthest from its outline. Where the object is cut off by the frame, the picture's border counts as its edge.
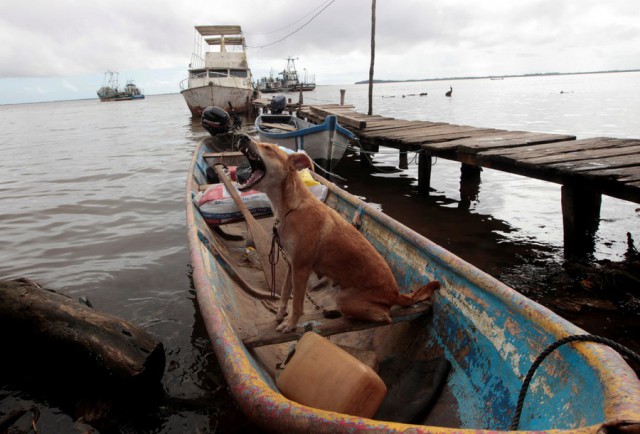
(274, 254)
(332, 174)
(573, 338)
(296, 30)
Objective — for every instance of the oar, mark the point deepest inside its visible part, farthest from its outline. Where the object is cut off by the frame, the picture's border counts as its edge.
(261, 238)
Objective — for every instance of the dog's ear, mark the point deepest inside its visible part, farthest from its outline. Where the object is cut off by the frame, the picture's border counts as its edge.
(300, 161)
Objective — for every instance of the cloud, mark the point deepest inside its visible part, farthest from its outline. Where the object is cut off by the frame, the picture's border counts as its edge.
(414, 39)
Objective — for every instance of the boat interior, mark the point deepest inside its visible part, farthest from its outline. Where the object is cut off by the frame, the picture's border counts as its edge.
(456, 361)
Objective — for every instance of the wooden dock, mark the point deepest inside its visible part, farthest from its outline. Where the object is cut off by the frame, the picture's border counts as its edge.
(586, 168)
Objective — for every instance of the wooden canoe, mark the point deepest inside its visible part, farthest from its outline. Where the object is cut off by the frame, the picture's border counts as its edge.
(489, 333)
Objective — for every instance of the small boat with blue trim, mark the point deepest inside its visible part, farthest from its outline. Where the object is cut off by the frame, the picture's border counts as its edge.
(325, 143)
(455, 364)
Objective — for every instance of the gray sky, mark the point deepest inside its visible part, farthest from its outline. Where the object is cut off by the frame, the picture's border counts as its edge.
(60, 49)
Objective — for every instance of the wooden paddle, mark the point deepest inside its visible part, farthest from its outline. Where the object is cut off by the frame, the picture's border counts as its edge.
(261, 239)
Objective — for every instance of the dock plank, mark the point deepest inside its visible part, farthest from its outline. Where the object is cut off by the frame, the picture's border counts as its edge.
(342, 118)
(626, 174)
(595, 164)
(588, 154)
(499, 139)
(433, 136)
(551, 148)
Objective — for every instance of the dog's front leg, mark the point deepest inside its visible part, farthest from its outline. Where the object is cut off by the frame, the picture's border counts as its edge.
(299, 282)
(285, 294)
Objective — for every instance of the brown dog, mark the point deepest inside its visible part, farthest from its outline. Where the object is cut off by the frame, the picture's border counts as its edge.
(317, 239)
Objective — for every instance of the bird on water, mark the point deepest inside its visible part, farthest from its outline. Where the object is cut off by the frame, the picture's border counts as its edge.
(449, 92)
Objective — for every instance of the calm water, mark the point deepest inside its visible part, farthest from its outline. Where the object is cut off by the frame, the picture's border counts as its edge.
(91, 204)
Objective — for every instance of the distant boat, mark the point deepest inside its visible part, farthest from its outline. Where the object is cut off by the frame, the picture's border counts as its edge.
(290, 81)
(221, 76)
(110, 90)
(290, 78)
(271, 84)
(324, 143)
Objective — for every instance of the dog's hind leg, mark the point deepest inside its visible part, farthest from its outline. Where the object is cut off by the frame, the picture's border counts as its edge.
(351, 305)
(285, 294)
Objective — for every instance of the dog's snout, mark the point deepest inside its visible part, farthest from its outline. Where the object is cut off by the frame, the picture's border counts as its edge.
(244, 140)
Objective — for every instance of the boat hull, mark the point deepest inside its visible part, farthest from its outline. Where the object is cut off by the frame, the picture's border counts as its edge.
(325, 143)
(116, 98)
(489, 333)
(199, 98)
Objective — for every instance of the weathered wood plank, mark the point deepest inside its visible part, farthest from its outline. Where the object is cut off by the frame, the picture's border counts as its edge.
(500, 139)
(594, 155)
(525, 138)
(426, 133)
(596, 164)
(392, 125)
(432, 137)
(267, 333)
(551, 148)
(394, 131)
(326, 111)
(627, 174)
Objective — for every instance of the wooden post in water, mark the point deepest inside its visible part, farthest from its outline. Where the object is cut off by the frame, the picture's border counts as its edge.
(469, 185)
(424, 172)
(580, 218)
(404, 161)
(342, 91)
(373, 54)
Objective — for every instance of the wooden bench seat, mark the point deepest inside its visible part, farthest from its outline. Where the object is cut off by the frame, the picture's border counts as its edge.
(266, 334)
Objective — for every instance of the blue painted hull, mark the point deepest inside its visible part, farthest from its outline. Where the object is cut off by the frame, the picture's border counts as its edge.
(489, 333)
(321, 142)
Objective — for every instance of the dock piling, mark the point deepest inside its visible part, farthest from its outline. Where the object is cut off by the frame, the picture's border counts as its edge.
(424, 172)
(580, 219)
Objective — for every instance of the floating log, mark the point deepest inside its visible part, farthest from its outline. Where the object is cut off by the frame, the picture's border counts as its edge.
(60, 333)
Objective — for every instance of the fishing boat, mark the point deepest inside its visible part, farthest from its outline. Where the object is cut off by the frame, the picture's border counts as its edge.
(325, 143)
(292, 81)
(110, 90)
(219, 73)
(134, 91)
(487, 333)
(289, 81)
(271, 84)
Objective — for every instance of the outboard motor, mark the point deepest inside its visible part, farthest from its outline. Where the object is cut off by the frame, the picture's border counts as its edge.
(215, 120)
(278, 104)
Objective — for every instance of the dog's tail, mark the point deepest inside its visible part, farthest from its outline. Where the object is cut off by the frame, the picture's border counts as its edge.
(419, 294)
